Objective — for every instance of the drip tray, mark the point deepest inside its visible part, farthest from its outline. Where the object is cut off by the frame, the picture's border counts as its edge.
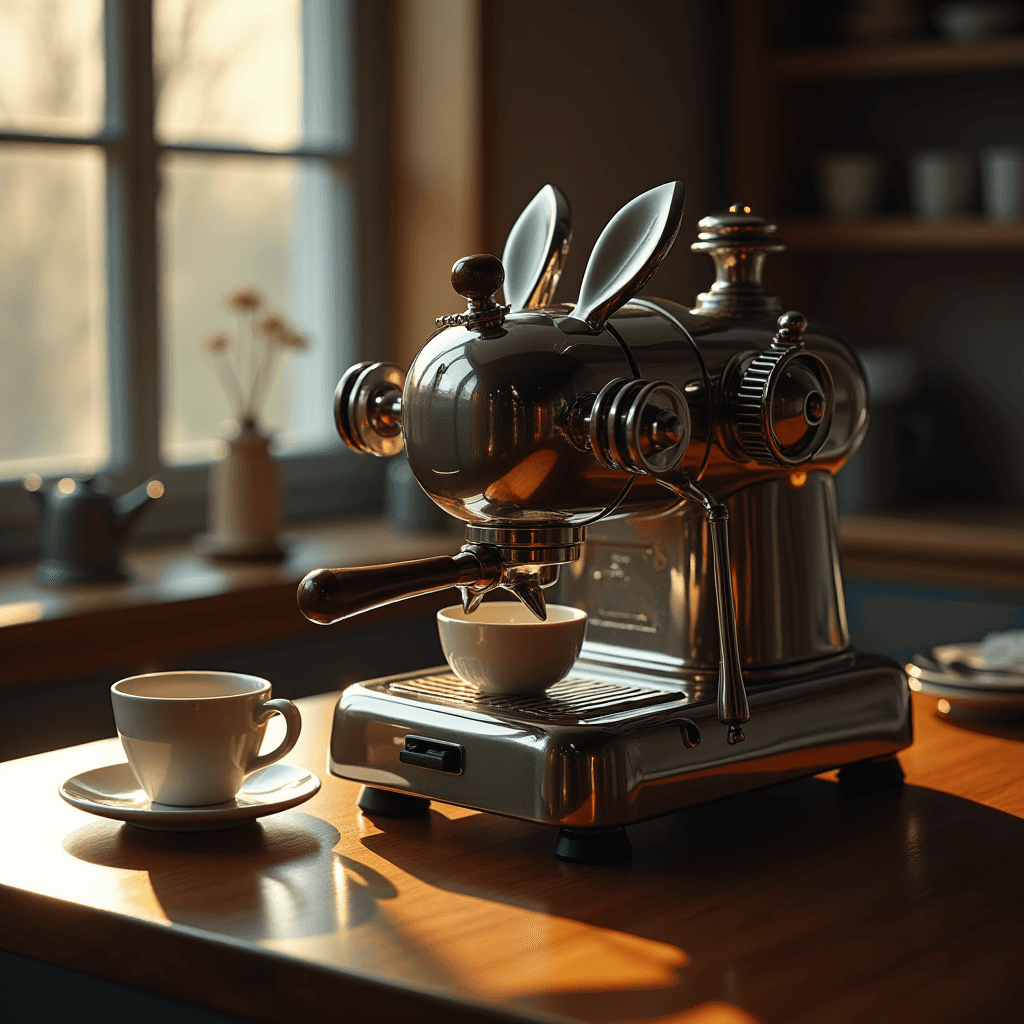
(569, 701)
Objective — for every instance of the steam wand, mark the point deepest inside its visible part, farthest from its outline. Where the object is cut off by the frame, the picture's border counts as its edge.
(643, 427)
(733, 709)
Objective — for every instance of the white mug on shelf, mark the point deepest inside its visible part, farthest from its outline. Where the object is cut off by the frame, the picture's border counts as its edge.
(967, 22)
(940, 183)
(1002, 182)
(850, 183)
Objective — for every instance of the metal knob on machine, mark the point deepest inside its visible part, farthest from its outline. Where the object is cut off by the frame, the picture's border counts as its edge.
(368, 408)
(784, 404)
(638, 426)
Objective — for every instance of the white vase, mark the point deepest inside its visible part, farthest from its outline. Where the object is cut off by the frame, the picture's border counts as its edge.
(244, 517)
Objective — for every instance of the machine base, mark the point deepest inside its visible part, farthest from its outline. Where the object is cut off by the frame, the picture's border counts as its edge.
(607, 748)
(593, 846)
(383, 803)
(878, 775)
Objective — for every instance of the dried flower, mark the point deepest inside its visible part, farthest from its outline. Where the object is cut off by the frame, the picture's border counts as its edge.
(273, 325)
(245, 299)
(217, 343)
(292, 339)
(246, 378)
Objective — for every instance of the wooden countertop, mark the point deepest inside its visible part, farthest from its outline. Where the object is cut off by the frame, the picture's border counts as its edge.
(787, 905)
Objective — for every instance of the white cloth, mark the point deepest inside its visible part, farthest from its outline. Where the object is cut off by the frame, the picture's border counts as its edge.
(1004, 650)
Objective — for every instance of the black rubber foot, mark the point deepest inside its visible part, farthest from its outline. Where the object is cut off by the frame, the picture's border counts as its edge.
(385, 804)
(593, 846)
(879, 775)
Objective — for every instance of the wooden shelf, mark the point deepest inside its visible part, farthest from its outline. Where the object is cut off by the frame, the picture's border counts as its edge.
(970, 551)
(904, 60)
(898, 233)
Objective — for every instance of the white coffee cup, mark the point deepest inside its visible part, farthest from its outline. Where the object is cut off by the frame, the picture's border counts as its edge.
(503, 648)
(192, 737)
(1002, 182)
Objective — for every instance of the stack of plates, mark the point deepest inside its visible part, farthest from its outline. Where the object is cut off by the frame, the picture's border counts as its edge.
(958, 675)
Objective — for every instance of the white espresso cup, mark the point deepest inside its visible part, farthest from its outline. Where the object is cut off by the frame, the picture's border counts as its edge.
(192, 737)
(503, 648)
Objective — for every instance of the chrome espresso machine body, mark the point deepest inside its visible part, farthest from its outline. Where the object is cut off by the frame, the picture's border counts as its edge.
(668, 470)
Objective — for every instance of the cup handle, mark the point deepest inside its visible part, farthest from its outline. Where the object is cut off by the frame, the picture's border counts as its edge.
(293, 721)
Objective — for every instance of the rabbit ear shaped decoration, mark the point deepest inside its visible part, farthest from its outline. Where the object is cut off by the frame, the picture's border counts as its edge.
(536, 250)
(629, 252)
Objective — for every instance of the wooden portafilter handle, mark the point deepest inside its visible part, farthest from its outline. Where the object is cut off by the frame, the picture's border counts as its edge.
(330, 595)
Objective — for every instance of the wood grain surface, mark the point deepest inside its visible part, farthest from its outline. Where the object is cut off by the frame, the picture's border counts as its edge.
(791, 905)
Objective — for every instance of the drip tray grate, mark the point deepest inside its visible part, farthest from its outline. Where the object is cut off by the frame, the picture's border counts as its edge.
(571, 700)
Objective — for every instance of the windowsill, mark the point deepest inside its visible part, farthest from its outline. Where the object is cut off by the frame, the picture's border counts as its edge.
(204, 604)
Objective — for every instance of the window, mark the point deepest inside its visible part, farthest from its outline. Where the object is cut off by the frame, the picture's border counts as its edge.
(156, 155)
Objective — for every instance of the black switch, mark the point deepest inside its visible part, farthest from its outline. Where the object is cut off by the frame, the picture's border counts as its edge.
(437, 755)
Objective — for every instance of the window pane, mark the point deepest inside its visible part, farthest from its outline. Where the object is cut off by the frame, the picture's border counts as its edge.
(53, 385)
(51, 65)
(273, 225)
(228, 71)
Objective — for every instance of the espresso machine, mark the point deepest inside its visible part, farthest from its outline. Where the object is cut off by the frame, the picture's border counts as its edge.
(668, 470)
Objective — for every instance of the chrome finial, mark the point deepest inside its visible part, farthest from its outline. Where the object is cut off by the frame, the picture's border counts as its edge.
(738, 241)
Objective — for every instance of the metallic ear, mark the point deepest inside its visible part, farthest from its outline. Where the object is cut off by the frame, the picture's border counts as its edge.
(536, 250)
(629, 252)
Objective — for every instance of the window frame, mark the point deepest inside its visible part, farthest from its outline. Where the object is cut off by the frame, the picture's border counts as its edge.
(329, 483)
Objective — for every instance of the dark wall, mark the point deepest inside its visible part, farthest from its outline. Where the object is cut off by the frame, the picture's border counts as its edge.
(605, 99)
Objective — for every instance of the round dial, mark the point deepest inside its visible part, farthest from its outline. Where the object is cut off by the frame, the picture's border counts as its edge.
(784, 406)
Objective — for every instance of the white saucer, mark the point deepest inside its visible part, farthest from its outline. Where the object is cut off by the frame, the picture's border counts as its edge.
(112, 792)
(967, 668)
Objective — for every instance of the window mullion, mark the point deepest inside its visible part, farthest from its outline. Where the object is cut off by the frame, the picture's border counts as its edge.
(132, 320)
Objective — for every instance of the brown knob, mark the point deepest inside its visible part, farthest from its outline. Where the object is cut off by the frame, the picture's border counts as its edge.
(477, 278)
(321, 597)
